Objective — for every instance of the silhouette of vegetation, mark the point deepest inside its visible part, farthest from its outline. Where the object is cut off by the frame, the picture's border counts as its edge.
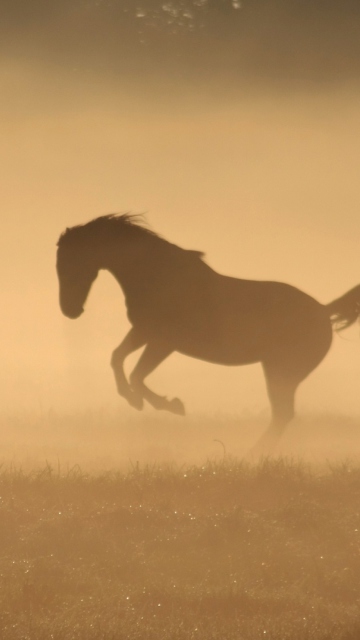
(306, 40)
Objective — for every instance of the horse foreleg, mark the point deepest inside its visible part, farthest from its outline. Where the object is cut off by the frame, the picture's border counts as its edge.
(131, 342)
(152, 356)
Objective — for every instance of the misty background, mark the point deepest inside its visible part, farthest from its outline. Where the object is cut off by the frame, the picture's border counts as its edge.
(233, 125)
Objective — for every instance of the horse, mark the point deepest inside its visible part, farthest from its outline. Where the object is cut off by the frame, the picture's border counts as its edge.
(177, 303)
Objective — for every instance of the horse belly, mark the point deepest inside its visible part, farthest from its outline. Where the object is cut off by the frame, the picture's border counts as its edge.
(231, 344)
(235, 337)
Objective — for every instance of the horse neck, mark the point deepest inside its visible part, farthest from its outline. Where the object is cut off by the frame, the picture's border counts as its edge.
(131, 264)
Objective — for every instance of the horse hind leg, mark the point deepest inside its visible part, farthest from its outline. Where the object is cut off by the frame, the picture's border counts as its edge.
(281, 392)
(152, 356)
(285, 370)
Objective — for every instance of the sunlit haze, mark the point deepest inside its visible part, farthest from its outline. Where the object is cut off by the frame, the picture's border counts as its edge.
(251, 156)
(233, 128)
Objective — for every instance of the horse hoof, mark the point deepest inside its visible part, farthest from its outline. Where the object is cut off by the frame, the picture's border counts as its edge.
(137, 402)
(176, 406)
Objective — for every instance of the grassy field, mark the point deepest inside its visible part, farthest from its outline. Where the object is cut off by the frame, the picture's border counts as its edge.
(223, 550)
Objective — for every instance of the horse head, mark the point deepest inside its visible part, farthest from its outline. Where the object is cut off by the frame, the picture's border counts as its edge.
(77, 269)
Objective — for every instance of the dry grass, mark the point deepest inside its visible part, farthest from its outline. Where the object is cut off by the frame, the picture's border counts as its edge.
(223, 550)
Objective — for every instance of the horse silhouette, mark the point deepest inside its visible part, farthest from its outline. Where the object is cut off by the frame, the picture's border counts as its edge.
(177, 302)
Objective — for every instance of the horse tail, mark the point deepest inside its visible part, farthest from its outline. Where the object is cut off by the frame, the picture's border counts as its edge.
(345, 311)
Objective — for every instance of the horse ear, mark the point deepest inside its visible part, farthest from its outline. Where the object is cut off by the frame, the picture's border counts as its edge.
(67, 228)
(196, 254)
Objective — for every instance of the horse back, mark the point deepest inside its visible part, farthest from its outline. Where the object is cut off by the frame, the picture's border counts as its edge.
(204, 314)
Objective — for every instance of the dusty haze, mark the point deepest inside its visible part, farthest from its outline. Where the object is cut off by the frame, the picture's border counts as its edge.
(234, 126)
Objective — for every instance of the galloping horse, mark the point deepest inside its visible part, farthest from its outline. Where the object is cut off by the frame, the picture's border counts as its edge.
(176, 302)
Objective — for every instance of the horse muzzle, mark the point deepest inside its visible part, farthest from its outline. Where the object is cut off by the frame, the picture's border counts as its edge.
(72, 312)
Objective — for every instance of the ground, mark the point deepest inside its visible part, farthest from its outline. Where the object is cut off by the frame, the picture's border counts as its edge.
(224, 549)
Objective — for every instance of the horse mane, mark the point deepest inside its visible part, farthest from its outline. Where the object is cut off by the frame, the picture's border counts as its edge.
(119, 225)
(108, 222)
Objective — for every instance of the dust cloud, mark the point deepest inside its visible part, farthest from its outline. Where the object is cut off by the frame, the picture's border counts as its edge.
(235, 129)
